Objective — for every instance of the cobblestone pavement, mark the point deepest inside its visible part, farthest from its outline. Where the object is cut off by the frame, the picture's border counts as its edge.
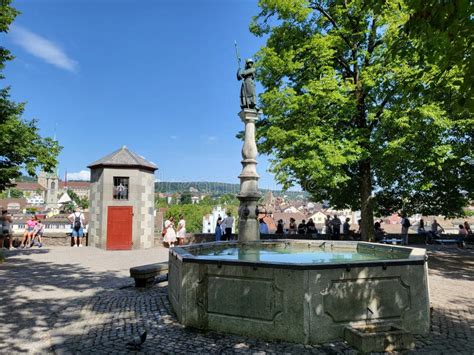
(104, 320)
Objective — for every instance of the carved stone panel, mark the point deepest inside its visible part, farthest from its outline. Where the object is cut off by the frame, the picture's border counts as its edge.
(239, 297)
(366, 299)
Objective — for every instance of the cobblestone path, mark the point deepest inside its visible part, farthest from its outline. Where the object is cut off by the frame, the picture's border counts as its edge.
(107, 322)
(104, 320)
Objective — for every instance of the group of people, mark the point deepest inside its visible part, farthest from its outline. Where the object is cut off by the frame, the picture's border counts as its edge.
(33, 233)
(31, 236)
(304, 228)
(34, 230)
(224, 227)
(333, 227)
(436, 229)
(172, 234)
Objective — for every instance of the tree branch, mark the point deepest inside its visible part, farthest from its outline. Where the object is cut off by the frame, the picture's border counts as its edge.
(371, 44)
(380, 110)
(319, 8)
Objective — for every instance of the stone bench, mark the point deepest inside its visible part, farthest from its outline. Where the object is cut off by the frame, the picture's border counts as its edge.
(144, 275)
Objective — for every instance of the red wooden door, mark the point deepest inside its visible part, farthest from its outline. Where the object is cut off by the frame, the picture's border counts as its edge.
(119, 228)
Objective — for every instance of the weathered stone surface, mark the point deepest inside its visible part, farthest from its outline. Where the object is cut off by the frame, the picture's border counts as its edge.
(379, 338)
(311, 306)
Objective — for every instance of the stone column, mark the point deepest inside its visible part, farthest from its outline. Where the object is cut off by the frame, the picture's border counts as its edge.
(249, 194)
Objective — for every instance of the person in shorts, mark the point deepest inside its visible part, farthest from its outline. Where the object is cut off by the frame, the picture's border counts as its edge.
(6, 221)
(77, 220)
(28, 234)
(38, 235)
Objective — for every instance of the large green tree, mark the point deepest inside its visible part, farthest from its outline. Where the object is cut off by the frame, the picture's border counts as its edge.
(21, 145)
(354, 115)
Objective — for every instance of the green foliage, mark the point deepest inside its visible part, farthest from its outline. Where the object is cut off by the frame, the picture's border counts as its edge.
(82, 202)
(444, 34)
(31, 210)
(15, 193)
(185, 198)
(21, 146)
(12, 193)
(68, 207)
(355, 115)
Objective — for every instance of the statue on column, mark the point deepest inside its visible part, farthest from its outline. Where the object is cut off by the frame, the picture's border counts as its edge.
(248, 96)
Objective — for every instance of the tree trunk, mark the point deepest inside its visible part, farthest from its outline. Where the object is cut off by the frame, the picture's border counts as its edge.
(367, 212)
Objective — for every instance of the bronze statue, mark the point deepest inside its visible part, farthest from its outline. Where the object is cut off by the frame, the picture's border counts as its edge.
(248, 97)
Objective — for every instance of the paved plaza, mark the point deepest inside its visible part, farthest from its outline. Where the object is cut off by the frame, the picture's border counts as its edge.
(81, 300)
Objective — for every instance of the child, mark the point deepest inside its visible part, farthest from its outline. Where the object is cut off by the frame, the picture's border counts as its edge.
(38, 233)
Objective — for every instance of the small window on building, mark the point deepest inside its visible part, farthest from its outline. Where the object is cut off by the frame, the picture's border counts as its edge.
(121, 188)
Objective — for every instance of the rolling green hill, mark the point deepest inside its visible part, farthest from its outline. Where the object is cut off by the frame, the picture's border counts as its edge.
(214, 188)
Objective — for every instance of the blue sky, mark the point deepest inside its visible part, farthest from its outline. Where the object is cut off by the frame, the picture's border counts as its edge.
(157, 76)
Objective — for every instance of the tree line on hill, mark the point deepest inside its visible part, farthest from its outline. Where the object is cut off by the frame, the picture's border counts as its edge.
(216, 189)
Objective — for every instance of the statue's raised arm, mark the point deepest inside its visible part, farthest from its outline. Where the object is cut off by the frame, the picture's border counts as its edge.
(248, 96)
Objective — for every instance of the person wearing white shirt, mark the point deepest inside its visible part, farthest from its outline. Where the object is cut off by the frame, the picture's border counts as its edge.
(228, 223)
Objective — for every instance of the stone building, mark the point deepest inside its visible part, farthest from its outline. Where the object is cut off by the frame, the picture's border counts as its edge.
(122, 202)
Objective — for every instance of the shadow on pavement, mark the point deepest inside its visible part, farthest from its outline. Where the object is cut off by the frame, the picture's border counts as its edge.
(33, 293)
(452, 263)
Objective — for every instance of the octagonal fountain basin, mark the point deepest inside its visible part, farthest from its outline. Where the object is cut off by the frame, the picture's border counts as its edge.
(300, 291)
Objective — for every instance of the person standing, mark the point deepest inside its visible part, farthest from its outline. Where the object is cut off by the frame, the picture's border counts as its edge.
(218, 232)
(311, 227)
(280, 227)
(327, 227)
(78, 222)
(181, 235)
(467, 227)
(405, 226)
(336, 227)
(345, 228)
(461, 235)
(6, 221)
(228, 222)
(263, 227)
(292, 227)
(170, 233)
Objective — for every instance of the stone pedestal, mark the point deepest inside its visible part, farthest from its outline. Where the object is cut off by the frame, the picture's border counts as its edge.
(249, 194)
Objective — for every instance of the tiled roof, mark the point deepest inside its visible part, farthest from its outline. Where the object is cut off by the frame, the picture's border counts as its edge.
(75, 184)
(7, 201)
(29, 186)
(124, 157)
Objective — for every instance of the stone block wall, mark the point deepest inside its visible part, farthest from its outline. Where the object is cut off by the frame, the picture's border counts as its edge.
(140, 198)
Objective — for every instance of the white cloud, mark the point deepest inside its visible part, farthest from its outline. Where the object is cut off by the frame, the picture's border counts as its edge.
(81, 175)
(42, 48)
(174, 137)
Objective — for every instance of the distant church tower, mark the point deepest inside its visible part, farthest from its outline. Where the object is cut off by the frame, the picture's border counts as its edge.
(50, 181)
